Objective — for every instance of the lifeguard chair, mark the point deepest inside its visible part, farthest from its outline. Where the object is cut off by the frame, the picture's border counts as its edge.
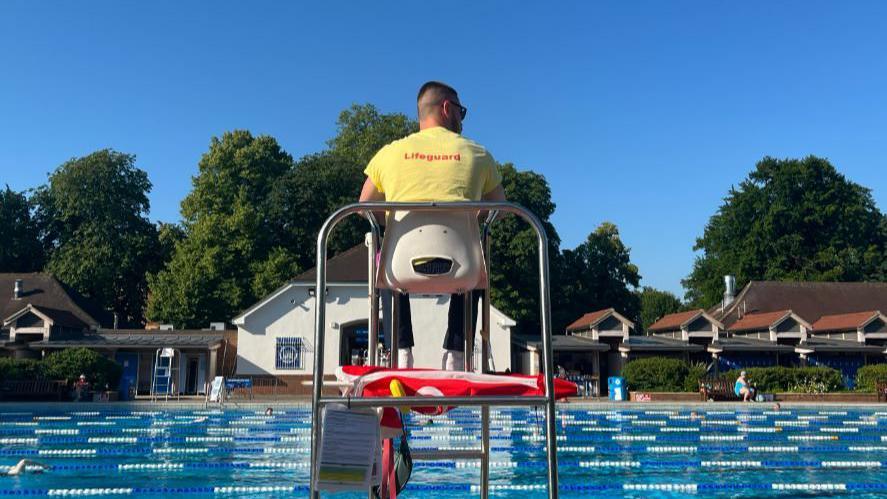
(436, 248)
(166, 373)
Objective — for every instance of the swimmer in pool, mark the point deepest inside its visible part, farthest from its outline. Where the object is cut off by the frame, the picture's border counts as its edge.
(22, 467)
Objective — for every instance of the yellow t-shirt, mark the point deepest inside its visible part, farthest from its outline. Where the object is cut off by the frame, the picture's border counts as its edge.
(434, 164)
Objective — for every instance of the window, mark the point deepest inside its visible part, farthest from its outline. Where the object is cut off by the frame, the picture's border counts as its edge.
(289, 353)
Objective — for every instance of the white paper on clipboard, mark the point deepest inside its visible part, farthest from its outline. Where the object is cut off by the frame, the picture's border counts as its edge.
(349, 443)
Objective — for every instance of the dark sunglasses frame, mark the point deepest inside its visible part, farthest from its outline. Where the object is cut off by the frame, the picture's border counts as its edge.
(462, 109)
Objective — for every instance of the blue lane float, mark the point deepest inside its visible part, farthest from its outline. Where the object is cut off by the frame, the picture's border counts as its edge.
(778, 487)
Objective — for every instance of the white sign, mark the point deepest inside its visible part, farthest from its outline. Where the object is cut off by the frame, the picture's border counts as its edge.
(216, 388)
(349, 445)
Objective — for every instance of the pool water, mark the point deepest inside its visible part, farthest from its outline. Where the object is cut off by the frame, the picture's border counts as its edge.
(721, 450)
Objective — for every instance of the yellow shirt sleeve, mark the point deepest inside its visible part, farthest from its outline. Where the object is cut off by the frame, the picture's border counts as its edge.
(374, 169)
(493, 177)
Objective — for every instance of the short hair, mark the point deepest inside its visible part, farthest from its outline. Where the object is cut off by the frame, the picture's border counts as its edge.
(430, 94)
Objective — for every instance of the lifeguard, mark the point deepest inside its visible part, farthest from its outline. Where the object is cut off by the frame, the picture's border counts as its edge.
(458, 170)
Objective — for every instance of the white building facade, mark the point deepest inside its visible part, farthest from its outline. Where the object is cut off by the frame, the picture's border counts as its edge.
(276, 336)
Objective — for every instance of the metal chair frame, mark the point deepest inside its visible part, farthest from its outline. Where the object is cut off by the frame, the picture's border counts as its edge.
(172, 370)
(484, 402)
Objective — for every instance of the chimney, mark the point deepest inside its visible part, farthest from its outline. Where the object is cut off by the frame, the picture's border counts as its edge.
(17, 291)
(216, 326)
(729, 291)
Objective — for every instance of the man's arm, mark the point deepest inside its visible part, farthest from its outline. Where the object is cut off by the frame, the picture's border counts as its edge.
(497, 194)
(369, 193)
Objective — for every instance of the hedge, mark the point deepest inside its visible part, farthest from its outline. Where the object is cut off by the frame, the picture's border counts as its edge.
(665, 374)
(869, 376)
(20, 369)
(791, 379)
(658, 374)
(70, 363)
(695, 372)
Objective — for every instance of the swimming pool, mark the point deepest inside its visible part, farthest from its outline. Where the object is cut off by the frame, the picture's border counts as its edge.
(604, 450)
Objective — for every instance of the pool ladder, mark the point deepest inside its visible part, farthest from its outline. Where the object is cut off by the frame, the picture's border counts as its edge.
(484, 402)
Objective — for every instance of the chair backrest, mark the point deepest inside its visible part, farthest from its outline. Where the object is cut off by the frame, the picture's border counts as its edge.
(432, 252)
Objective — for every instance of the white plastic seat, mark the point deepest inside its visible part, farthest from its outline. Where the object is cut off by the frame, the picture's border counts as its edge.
(432, 253)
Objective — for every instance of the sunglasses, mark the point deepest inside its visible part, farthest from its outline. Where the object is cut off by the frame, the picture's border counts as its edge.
(462, 109)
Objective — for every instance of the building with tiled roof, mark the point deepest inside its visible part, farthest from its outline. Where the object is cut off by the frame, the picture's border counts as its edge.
(42, 315)
(767, 323)
(601, 323)
(810, 300)
(857, 326)
(685, 325)
(45, 292)
(772, 326)
(276, 334)
(833, 324)
(873, 320)
(37, 306)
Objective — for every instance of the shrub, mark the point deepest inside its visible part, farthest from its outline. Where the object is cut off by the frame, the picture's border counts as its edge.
(867, 377)
(70, 363)
(695, 371)
(20, 369)
(655, 374)
(791, 379)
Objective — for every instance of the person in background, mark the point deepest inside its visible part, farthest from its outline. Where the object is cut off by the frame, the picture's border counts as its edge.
(742, 389)
(81, 388)
(22, 467)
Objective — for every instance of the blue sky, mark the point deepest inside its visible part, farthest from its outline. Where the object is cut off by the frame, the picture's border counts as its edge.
(640, 113)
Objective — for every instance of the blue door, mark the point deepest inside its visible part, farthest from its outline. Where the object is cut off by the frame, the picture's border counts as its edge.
(130, 376)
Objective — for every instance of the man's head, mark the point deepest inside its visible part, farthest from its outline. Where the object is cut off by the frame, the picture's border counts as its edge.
(742, 374)
(439, 105)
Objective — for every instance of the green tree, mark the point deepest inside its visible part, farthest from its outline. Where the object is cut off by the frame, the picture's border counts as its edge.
(362, 130)
(597, 275)
(304, 198)
(319, 184)
(655, 304)
(514, 273)
(229, 240)
(93, 216)
(70, 363)
(20, 250)
(168, 236)
(252, 218)
(791, 219)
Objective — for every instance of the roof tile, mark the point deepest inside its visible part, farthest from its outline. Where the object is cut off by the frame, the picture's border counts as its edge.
(46, 292)
(674, 321)
(810, 300)
(838, 322)
(758, 321)
(350, 265)
(588, 319)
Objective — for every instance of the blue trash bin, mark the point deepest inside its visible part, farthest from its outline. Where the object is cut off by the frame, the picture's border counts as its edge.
(616, 387)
